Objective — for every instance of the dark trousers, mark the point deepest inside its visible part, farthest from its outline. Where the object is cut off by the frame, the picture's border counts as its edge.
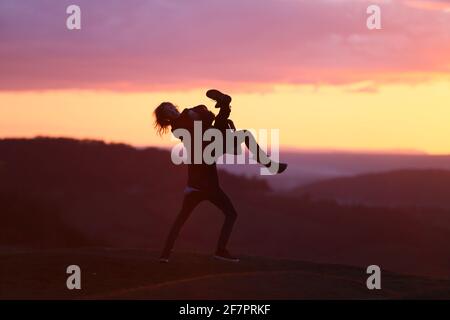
(190, 201)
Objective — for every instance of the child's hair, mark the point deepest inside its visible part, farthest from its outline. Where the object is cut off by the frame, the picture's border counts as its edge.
(161, 122)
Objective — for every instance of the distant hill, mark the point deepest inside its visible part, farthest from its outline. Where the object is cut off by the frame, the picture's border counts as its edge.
(425, 188)
(306, 167)
(65, 193)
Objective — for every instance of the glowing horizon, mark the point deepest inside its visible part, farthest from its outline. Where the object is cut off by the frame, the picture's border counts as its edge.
(324, 118)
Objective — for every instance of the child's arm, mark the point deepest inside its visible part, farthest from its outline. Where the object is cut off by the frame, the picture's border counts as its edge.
(231, 125)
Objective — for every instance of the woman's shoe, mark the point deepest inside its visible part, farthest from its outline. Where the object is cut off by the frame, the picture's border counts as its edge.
(225, 255)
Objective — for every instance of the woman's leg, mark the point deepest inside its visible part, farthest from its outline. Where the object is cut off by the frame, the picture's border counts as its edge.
(221, 200)
(190, 201)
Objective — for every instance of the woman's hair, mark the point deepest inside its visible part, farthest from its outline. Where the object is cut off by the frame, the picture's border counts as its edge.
(162, 123)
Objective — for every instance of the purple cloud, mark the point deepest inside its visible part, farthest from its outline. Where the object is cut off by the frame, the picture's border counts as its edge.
(150, 45)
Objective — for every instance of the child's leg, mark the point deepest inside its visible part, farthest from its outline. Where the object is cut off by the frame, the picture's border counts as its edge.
(255, 149)
(261, 156)
(233, 145)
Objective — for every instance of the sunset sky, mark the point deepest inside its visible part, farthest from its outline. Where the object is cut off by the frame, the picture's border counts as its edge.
(309, 68)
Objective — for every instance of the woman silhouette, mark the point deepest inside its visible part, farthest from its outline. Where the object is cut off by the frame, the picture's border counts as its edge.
(203, 182)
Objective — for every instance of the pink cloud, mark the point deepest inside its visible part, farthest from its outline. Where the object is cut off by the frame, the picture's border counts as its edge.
(150, 45)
